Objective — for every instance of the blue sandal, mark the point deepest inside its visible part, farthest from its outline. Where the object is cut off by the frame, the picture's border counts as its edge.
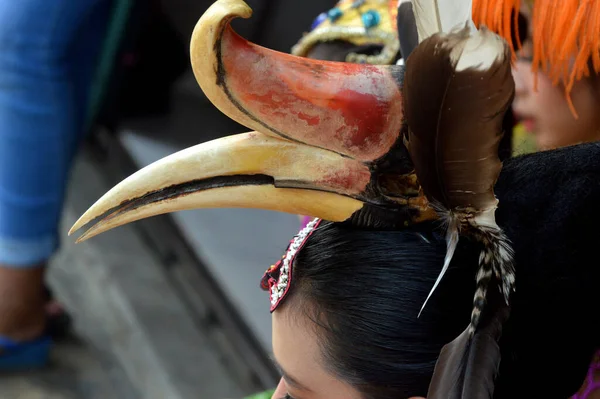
(21, 356)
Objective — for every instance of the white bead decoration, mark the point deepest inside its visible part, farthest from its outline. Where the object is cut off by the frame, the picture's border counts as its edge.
(278, 290)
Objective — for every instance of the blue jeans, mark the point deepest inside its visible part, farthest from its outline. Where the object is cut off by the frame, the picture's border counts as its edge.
(48, 53)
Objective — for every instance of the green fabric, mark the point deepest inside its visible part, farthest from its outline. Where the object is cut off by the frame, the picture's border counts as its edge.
(523, 141)
(264, 395)
(114, 35)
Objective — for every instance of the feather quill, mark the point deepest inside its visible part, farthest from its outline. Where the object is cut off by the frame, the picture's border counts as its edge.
(441, 16)
(452, 236)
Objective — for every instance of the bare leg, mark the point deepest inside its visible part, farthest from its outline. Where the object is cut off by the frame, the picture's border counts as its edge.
(22, 314)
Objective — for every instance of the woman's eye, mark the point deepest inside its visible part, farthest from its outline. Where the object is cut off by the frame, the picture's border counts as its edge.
(522, 30)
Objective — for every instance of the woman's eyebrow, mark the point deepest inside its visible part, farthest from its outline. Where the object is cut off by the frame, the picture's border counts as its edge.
(288, 378)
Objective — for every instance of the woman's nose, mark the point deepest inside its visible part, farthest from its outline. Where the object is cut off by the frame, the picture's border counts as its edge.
(281, 390)
(520, 72)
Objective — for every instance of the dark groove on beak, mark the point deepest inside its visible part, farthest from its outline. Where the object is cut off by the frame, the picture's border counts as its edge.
(222, 82)
(180, 190)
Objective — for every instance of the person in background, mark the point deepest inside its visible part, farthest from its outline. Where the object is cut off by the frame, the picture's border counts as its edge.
(556, 70)
(557, 82)
(48, 56)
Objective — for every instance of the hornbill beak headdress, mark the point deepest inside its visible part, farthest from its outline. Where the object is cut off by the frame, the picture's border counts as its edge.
(376, 146)
(327, 140)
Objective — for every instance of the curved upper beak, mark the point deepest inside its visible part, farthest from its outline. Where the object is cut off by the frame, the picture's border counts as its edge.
(325, 136)
(246, 170)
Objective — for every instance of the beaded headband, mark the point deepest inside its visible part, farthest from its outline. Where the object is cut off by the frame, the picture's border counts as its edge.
(360, 22)
(278, 278)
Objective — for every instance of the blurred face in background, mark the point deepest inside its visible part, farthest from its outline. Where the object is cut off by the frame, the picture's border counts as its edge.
(545, 112)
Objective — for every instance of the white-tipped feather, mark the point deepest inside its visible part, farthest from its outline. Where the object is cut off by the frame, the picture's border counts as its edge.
(481, 51)
(435, 16)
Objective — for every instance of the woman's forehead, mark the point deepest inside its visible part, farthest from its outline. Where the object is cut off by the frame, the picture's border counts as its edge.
(297, 352)
(295, 348)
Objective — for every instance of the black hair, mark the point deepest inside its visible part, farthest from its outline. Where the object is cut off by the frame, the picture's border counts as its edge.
(364, 290)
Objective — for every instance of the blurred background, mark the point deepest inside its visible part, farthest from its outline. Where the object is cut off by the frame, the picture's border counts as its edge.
(168, 307)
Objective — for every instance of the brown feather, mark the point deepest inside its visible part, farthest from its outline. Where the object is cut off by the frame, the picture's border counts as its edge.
(468, 366)
(455, 117)
(458, 87)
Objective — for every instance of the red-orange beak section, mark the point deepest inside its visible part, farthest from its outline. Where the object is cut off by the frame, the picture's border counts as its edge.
(351, 109)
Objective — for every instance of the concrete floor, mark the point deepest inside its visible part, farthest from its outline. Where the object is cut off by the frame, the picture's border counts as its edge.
(134, 338)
